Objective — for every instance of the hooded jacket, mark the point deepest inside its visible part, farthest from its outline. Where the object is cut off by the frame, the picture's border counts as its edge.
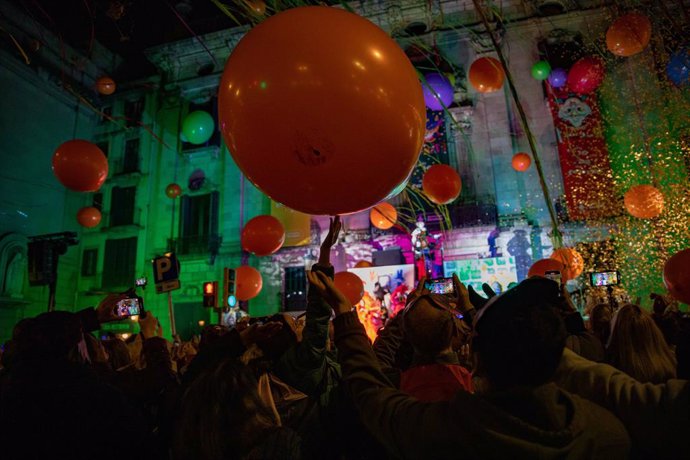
(526, 423)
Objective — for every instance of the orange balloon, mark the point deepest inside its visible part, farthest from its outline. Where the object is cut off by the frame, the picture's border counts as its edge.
(441, 184)
(644, 201)
(173, 191)
(383, 216)
(573, 263)
(363, 264)
(105, 86)
(521, 162)
(257, 7)
(263, 235)
(629, 34)
(80, 165)
(248, 282)
(677, 275)
(540, 267)
(89, 217)
(486, 75)
(317, 98)
(351, 285)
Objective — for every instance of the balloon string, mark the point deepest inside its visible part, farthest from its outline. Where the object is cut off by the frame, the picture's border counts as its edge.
(93, 28)
(19, 47)
(189, 29)
(556, 235)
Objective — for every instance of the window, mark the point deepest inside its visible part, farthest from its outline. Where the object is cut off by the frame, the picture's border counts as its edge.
(133, 112)
(130, 163)
(295, 292)
(106, 113)
(104, 146)
(198, 222)
(98, 201)
(89, 261)
(120, 262)
(122, 206)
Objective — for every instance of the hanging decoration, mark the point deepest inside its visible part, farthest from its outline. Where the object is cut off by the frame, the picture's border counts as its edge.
(644, 201)
(248, 282)
(360, 130)
(573, 263)
(558, 78)
(521, 162)
(677, 275)
(629, 34)
(438, 91)
(173, 191)
(105, 86)
(586, 75)
(262, 235)
(678, 67)
(351, 285)
(89, 217)
(383, 216)
(486, 75)
(198, 127)
(541, 70)
(441, 184)
(80, 165)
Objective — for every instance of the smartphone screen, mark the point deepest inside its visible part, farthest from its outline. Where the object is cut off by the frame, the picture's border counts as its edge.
(554, 275)
(128, 307)
(607, 278)
(440, 286)
(141, 281)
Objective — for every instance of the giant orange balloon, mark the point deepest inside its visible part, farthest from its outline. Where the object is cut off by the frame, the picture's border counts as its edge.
(89, 217)
(540, 267)
(441, 184)
(629, 34)
(80, 165)
(486, 75)
(677, 275)
(263, 235)
(572, 261)
(351, 285)
(383, 216)
(105, 86)
(318, 99)
(644, 201)
(248, 282)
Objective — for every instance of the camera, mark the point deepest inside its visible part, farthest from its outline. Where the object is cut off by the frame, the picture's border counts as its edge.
(442, 286)
(605, 278)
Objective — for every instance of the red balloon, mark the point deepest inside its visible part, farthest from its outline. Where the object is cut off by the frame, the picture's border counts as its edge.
(441, 184)
(572, 261)
(586, 75)
(263, 235)
(105, 86)
(383, 216)
(317, 98)
(644, 201)
(248, 282)
(351, 285)
(540, 267)
(363, 264)
(629, 34)
(486, 75)
(80, 165)
(173, 191)
(521, 162)
(677, 275)
(89, 217)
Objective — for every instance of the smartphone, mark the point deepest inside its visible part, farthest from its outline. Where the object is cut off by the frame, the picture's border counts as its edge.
(554, 275)
(130, 306)
(605, 278)
(441, 286)
(141, 281)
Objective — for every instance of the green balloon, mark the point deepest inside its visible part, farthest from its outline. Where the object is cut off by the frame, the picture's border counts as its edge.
(541, 70)
(197, 127)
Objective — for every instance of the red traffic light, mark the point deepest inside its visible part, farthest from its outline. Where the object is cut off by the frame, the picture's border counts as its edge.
(210, 290)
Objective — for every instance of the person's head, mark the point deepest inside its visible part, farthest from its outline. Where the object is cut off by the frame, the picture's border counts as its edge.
(520, 336)
(221, 415)
(600, 321)
(50, 336)
(638, 348)
(118, 353)
(287, 337)
(429, 325)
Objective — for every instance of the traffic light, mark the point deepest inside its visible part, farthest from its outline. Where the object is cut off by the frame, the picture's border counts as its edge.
(229, 299)
(211, 294)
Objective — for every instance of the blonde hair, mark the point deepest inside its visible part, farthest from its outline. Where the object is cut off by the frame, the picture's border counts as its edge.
(638, 348)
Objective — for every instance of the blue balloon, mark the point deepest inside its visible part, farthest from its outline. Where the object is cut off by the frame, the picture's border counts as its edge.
(558, 78)
(678, 68)
(438, 91)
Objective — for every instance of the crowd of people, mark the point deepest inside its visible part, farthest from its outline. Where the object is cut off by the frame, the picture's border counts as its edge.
(518, 375)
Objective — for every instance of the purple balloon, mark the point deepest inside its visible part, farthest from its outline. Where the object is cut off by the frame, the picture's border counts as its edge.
(437, 90)
(558, 78)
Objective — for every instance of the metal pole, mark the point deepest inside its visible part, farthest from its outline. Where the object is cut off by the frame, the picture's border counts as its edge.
(51, 295)
(171, 310)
